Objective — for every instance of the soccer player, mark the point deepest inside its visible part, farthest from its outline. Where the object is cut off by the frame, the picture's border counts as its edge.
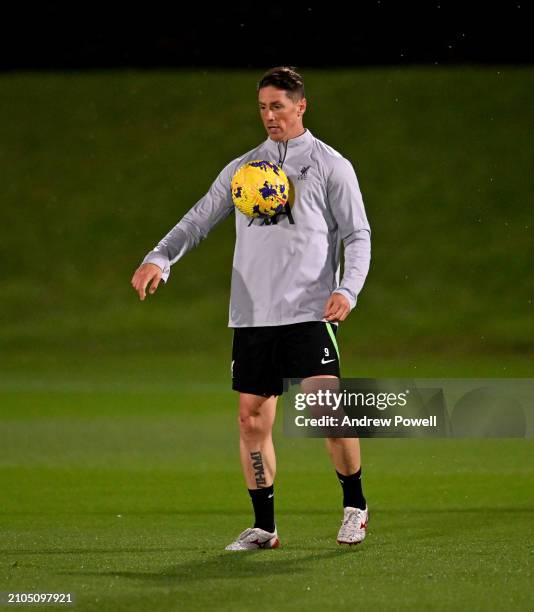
(284, 315)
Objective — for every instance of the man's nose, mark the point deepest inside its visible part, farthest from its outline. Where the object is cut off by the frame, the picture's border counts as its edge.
(270, 115)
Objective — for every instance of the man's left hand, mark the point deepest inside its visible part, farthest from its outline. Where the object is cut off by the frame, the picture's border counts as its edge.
(337, 308)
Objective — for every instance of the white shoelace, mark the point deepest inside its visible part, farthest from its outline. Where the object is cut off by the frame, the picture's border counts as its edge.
(247, 536)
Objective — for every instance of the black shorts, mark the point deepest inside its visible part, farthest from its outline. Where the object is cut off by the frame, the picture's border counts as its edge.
(263, 356)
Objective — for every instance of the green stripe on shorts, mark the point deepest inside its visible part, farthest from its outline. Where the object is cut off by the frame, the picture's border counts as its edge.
(333, 338)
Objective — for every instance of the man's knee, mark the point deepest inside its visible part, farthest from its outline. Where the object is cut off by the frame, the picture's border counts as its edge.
(252, 418)
(251, 427)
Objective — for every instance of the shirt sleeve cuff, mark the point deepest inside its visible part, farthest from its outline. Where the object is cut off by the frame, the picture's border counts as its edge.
(348, 294)
(160, 260)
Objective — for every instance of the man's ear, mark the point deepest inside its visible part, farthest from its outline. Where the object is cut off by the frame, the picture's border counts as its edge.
(301, 106)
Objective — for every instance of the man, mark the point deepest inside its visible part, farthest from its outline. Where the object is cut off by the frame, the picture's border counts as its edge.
(285, 313)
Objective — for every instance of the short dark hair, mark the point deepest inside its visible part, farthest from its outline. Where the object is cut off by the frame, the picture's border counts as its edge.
(286, 78)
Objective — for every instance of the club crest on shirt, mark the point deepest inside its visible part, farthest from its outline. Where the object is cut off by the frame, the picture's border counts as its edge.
(303, 176)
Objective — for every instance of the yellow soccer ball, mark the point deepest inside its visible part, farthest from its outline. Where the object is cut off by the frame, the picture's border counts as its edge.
(260, 189)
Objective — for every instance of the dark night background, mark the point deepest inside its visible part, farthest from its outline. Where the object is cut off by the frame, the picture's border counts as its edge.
(247, 35)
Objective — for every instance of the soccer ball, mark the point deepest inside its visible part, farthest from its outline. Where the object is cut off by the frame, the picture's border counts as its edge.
(260, 189)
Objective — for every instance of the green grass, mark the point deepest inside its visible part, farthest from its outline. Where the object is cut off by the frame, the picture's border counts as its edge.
(97, 167)
(119, 469)
(127, 497)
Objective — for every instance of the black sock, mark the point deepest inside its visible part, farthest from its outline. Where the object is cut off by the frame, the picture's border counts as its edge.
(263, 503)
(352, 490)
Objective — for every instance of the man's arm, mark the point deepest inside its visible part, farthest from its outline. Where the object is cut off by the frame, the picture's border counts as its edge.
(346, 204)
(194, 226)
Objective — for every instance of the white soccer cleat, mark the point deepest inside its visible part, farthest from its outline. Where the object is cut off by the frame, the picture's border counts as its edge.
(352, 530)
(254, 538)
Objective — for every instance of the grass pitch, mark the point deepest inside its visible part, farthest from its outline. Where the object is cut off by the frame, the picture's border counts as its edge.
(99, 166)
(119, 469)
(125, 491)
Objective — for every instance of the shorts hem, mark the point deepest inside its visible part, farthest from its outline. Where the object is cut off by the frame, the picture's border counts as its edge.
(243, 388)
(315, 373)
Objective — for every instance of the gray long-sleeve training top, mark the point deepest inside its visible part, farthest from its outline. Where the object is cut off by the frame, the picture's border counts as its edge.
(285, 272)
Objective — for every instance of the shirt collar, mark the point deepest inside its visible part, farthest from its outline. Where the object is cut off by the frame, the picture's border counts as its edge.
(294, 145)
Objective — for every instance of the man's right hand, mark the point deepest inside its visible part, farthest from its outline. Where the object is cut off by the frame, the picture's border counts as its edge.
(145, 274)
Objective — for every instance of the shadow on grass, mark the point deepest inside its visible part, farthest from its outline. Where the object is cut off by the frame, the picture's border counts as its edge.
(229, 565)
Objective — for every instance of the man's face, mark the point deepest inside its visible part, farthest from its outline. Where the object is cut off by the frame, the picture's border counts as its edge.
(281, 116)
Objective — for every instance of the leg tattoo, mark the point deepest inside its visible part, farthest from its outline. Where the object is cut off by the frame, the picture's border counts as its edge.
(259, 470)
